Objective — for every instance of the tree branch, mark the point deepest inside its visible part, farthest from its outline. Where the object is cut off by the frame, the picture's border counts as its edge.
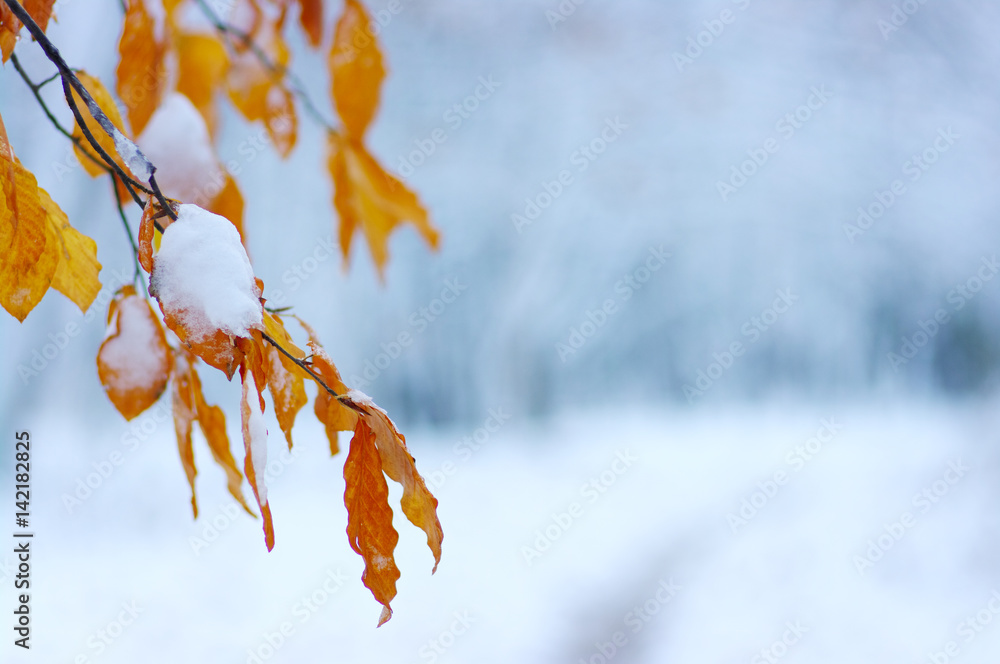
(70, 80)
(342, 398)
(128, 229)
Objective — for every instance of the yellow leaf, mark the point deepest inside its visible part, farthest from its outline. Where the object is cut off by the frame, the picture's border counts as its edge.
(76, 275)
(285, 382)
(142, 70)
(356, 68)
(29, 245)
(107, 104)
(366, 196)
(202, 62)
(419, 506)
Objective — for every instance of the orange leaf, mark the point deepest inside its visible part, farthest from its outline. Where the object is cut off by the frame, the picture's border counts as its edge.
(419, 506)
(311, 18)
(259, 94)
(202, 246)
(9, 27)
(228, 203)
(190, 406)
(142, 70)
(146, 231)
(107, 104)
(356, 67)
(76, 274)
(29, 243)
(369, 517)
(255, 462)
(334, 415)
(134, 361)
(366, 196)
(254, 360)
(39, 10)
(202, 63)
(285, 382)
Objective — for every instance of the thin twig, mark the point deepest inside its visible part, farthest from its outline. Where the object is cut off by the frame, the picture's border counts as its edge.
(342, 398)
(82, 124)
(161, 198)
(128, 229)
(70, 80)
(36, 91)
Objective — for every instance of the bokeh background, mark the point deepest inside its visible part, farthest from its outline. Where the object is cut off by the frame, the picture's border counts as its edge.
(615, 483)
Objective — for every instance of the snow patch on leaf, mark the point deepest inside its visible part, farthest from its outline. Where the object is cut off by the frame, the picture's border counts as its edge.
(177, 141)
(202, 273)
(258, 448)
(362, 399)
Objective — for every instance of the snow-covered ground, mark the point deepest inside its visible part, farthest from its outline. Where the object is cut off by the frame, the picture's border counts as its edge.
(597, 536)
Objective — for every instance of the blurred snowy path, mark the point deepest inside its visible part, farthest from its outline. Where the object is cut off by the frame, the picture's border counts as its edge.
(598, 536)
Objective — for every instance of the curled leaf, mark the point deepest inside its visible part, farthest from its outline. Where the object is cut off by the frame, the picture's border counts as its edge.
(255, 447)
(369, 517)
(190, 407)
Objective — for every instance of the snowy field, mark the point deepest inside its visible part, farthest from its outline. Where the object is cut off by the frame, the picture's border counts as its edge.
(604, 536)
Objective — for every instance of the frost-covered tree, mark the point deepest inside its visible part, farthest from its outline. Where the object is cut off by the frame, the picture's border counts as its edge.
(155, 141)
